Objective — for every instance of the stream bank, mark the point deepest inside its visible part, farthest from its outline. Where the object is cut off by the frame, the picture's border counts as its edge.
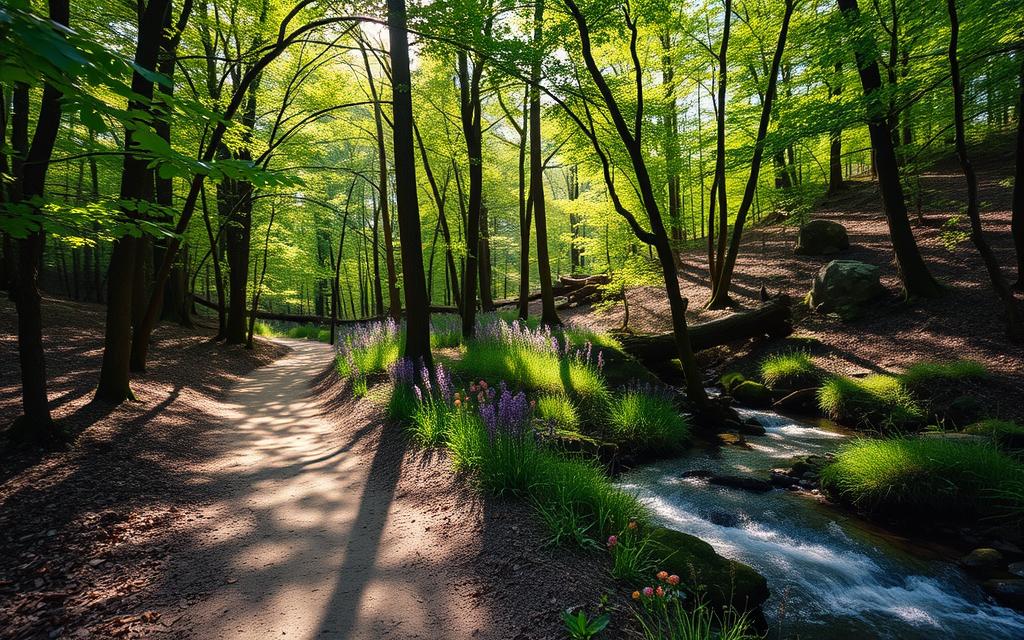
(831, 574)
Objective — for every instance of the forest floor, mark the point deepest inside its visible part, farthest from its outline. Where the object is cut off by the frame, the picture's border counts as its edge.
(965, 323)
(263, 502)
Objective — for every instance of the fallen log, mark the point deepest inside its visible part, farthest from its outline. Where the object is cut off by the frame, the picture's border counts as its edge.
(772, 320)
(309, 319)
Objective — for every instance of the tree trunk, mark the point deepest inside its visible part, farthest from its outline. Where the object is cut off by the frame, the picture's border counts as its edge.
(1014, 326)
(470, 112)
(35, 423)
(548, 317)
(1017, 221)
(137, 185)
(835, 147)
(917, 280)
(417, 326)
(486, 284)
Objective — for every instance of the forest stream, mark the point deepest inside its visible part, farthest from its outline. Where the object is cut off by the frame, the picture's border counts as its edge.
(831, 574)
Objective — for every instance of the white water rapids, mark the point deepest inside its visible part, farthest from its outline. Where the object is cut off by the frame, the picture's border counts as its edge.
(831, 576)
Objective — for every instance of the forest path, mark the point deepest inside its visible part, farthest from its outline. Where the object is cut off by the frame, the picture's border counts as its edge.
(304, 539)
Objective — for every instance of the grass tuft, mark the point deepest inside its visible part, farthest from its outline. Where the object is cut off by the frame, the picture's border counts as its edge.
(924, 476)
(789, 369)
(558, 411)
(876, 401)
(920, 377)
(648, 421)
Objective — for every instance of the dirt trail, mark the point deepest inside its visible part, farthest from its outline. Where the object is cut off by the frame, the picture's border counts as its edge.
(303, 542)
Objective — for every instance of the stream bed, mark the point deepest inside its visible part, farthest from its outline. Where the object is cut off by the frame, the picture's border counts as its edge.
(832, 576)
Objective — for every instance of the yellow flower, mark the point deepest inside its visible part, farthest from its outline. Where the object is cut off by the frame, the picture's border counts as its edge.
(636, 595)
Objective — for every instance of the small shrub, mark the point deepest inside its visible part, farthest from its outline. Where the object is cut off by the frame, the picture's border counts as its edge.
(646, 419)
(558, 411)
(923, 476)
(1005, 434)
(789, 369)
(875, 401)
(923, 376)
(263, 329)
(580, 627)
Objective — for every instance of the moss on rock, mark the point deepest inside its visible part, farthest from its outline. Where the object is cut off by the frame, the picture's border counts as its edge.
(752, 394)
(724, 582)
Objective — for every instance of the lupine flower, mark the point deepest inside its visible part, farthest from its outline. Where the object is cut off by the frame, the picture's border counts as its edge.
(418, 392)
(663, 575)
(612, 541)
(648, 591)
(673, 579)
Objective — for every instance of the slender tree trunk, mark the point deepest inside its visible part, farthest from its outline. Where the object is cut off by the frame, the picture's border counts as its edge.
(440, 200)
(670, 120)
(548, 316)
(35, 423)
(137, 185)
(1017, 221)
(394, 302)
(486, 280)
(835, 147)
(417, 326)
(470, 111)
(727, 263)
(917, 280)
(1014, 325)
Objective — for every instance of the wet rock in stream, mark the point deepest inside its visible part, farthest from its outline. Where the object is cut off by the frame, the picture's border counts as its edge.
(747, 483)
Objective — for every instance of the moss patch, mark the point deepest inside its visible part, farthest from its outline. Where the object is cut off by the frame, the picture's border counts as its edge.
(1005, 434)
(876, 401)
(727, 582)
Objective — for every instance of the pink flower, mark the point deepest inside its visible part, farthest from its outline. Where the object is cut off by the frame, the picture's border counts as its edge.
(483, 384)
(660, 592)
(472, 388)
(673, 579)
(480, 397)
(663, 575)
(612, 541)
(648, 592)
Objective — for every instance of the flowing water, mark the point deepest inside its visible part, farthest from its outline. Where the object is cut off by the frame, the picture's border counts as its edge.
(831, 575)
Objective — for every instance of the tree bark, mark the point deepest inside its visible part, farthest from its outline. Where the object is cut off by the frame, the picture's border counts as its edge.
(35, 422)
(1014, 325)
(548, 317)
(835, 146)
(417, 326)
(917, 280)
(470, 112)
(1017, 220)
(137, 185)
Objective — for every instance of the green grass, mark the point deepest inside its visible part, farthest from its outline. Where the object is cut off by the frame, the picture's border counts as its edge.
(1005, 434)
(263, 329)
(875, 401)
(788, 369)
(309, 332)
(922, 376)
(648, 422)
(531, 370)
(671, 619)
(559, 411)
(924, 476)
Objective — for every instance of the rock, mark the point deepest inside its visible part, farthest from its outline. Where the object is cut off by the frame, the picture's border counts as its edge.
(1008, 592)
(810, 464)
(726, 582)
(697, 473)
(801, 401)
(781, 478)
(748, 429)
(983, 559)
(747, 483)
(1016, 568)
(843, 286)
(722, 518)
(752, 394)
(733, 439)
(821, 237)
(955, 436)
(730, 380)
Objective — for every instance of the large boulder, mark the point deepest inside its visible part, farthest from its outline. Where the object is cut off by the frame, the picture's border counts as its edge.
(724, 582)
(752, 394)
(821, 238)
(843, 286)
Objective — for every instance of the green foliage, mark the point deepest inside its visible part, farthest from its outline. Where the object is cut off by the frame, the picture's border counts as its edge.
(309, 332)
(731, 380)
(669, 618)
(648, 422)
(788, 369)
(264, 330)
(1004, 433)
(533, 370)
(579, 627)
(875, 401)
(928, 476)
(559, 411)
(922, 376)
